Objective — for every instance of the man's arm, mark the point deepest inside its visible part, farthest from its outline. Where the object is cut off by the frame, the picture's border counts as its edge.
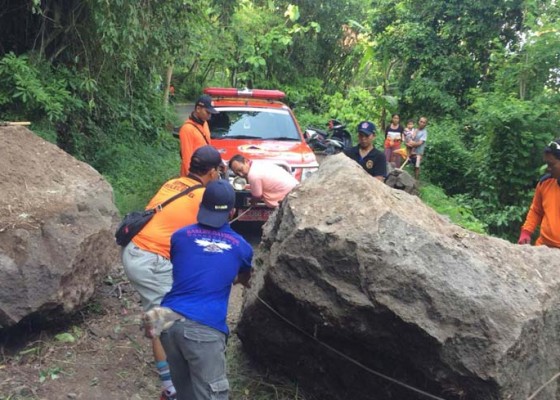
(534, 217)
(244, 278)
(380, 167)
(416, 143)
(419, 140)
(186, 148)
(256, 188)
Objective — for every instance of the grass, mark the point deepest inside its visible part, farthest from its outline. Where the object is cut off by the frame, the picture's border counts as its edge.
(246, 383)
(461, 215)
(138, 170)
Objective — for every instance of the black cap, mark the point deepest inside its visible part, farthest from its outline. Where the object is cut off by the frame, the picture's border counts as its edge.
(206, 157)
(366, 127)
(206, 102)
(217, 201)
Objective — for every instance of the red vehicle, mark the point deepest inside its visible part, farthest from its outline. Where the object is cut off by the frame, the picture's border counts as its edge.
(256, 124)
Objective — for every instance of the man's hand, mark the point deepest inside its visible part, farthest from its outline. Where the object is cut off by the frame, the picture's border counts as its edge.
(223, 170)
(524, 237)
(243, 278)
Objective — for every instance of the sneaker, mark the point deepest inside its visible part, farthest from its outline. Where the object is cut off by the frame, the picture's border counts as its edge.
(166, 396)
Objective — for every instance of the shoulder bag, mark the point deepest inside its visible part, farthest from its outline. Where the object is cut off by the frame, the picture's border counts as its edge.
(134, 221)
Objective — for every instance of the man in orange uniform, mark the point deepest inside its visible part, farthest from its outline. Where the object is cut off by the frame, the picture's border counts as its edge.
(146, 257)
(195, 132)
(545, 208)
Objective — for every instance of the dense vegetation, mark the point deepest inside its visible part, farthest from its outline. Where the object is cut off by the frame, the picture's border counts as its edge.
(93, 76)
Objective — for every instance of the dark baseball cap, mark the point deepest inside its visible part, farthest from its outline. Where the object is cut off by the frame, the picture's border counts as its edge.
(553, 148)
(206, 157)
(217, 202)
(206, 102)
(367, 128)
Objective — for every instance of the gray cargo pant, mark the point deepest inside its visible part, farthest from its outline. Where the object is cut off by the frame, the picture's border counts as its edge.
(196, 357)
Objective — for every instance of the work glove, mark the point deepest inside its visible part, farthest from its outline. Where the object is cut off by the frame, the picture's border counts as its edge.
(524, 237)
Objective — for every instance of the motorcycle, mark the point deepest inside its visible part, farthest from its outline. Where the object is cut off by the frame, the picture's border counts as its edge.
(332, 141)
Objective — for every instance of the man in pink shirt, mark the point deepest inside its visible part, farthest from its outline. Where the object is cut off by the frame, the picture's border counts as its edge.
(269, 182)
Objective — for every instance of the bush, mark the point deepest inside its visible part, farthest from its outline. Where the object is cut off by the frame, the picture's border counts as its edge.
(306, 94)
(30, 88)
(508, 136)
(136, 170)
(459, 213)
(447, 158)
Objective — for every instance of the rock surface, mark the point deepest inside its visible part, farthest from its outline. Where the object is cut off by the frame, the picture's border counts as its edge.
(56, 228)
(382, 278)
(401, 180)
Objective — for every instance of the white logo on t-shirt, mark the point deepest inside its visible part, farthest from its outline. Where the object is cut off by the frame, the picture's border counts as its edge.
(213, 246)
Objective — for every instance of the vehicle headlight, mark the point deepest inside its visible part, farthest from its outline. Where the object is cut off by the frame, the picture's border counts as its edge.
(307, 172)
(239, 183)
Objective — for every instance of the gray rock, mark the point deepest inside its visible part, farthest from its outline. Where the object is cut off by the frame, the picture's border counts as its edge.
(56, 228)
(382, 278)
(402, 180)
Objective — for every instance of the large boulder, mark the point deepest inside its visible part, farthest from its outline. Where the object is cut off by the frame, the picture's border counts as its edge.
(377, 275)
(400, 179)
(56, 228)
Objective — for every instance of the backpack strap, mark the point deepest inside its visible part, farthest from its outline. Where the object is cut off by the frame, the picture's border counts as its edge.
(198, 129)
(159, 207)
(544, 178)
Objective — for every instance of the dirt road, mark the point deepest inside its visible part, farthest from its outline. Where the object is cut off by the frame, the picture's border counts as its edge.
(98, 354)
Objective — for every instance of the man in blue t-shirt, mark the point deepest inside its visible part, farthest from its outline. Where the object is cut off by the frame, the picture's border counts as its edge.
(207, 257)
(419, 144)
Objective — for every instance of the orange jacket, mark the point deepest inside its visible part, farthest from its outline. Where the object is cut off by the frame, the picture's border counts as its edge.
(156, 235)
(545, 211)
(192, 136)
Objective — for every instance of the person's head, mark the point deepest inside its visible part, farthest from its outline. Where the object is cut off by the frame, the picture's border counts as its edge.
(217, 204)
(203, 108)
(422, 122)
(239, 165)
(366, 134)
(395, 119)
(409, 124)
(205, 163)
(552, 158)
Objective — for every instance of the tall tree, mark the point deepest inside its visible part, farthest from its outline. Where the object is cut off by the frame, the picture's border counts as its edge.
(442, 48)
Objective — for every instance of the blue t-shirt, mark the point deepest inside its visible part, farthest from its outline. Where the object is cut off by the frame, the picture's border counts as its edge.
(421, 135)
(205, 263)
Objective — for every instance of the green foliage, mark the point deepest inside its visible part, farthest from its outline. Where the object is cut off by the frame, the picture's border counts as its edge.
(87, 75)
(437, 50)
(532, 65)
(50, 373)
(447, 158)
(261, 39)
(507, 138)
(353, 107)
(136, 170)
(305, 93)
(459, 213)
(322, 51)
(65, 337)
(30, 89)
(307, 119)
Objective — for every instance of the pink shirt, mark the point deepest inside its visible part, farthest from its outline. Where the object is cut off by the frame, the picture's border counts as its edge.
(270, 182)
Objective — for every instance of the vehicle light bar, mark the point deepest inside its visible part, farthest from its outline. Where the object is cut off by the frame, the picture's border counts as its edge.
(252, 93)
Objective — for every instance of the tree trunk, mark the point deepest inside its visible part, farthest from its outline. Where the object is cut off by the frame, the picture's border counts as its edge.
(168, 76)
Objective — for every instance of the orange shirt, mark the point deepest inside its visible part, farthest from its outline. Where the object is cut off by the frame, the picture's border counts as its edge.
(545, 211)
(156, 235)
(192, 136)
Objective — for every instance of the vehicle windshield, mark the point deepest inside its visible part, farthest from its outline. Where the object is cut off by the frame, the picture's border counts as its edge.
(253, 123)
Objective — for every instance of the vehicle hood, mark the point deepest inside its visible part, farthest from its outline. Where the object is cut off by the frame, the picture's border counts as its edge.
(294, 153)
